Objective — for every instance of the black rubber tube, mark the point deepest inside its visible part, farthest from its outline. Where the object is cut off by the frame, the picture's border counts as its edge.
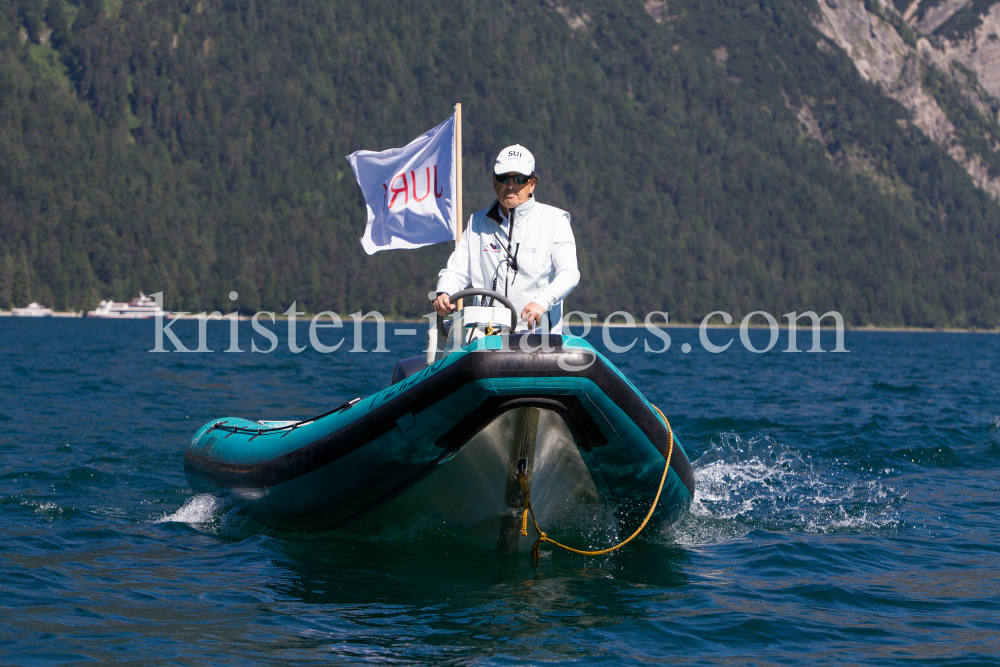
(474, 291)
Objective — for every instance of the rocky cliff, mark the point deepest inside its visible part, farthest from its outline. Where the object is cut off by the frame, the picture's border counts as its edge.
(941, 60)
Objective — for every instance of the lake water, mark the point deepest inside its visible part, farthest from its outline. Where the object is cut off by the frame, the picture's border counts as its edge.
(846, 513)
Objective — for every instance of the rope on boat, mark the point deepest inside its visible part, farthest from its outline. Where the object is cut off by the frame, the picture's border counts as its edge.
(256, 432)
(542, 537)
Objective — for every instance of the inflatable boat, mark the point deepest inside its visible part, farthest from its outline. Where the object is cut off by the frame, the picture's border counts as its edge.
(463, 437)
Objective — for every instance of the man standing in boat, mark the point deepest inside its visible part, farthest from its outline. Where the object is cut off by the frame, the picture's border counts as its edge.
(518, 247)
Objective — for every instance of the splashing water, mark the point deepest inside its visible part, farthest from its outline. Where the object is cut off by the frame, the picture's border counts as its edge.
(216, 515)
(203, 508)
(759, 483)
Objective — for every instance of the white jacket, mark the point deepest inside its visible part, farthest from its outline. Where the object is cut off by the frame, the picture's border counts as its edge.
(545, 253)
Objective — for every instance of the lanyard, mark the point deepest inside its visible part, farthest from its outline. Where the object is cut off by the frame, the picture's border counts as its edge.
(511, 260)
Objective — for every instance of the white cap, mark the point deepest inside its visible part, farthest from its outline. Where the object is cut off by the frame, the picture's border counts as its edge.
(515, 159)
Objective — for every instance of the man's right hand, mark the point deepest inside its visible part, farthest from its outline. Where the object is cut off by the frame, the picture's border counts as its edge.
(443, 305)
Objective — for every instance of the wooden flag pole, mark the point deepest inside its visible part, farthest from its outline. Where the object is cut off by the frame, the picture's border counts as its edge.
(458, 179)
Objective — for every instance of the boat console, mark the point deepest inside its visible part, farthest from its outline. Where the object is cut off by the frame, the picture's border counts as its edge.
(471, 323)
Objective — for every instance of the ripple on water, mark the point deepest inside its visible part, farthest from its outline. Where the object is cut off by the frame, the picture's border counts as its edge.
(845, 513)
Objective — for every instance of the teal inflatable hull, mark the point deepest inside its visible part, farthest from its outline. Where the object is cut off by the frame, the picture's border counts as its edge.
(444, 443)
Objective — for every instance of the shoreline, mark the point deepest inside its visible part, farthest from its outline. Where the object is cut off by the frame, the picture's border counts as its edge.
(66, 314)
(614, 325)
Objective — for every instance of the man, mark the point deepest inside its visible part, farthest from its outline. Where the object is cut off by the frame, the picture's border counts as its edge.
(518, 247)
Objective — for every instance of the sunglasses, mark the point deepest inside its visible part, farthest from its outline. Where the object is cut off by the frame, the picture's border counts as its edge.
(518, 178)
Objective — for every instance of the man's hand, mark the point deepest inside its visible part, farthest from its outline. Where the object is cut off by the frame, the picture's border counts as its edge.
(443, 305)
(532, 314)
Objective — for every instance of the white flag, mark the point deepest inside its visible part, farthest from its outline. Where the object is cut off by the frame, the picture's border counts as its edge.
(409, 191)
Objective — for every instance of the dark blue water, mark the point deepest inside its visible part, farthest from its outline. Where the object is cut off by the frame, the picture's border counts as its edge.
(846, 513)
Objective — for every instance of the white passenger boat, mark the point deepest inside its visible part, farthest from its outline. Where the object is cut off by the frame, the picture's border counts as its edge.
(136, 309)
(32, 310)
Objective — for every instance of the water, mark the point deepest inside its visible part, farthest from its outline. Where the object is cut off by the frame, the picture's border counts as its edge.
(846, 513)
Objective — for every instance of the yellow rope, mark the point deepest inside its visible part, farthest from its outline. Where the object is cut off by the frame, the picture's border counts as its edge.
(542, 537)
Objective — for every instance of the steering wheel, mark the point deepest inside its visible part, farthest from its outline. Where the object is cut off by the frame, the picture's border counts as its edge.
(497, 296)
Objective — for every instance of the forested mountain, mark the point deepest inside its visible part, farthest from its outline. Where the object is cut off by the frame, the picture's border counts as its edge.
(715, 154)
